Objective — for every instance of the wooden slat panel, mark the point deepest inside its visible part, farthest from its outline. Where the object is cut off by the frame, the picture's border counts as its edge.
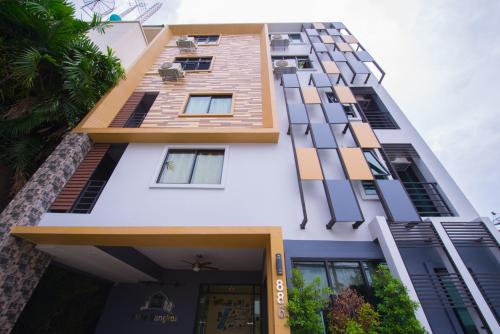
(309, 166)
(327, 39)
(350, 39)
(318, 25)
(344, 94)
(364, 135)
(344, 47)
(355, 163)
(127, 110)
(310, 95)
(330, 67)
(75, 185)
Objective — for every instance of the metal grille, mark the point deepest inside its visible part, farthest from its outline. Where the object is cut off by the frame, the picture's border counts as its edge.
(489, 284)
(471, 234)
(427, 199)
(442, 290)
(85, 203)
(415, 235)
(394, 151)
(380, 120)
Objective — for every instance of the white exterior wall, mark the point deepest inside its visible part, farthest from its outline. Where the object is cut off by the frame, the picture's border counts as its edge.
(261, 184)
(127, 40)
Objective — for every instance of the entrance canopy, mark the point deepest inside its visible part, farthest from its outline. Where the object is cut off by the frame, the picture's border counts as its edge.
(148, 254)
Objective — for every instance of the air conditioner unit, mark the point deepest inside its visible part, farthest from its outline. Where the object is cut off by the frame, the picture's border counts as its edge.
(401, 163)
(171, 71)
(285, 66)
(186, 43)
(279, 40)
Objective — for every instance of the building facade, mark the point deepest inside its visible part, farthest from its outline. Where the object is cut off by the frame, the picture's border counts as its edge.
(233, 153)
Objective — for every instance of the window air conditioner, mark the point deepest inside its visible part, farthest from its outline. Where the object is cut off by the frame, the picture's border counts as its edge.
(285, 66)
(186, 43)
(171, 71)
(401, 163)
(278, 40)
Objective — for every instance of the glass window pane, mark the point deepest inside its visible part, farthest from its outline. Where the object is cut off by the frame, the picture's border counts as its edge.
(369, 187)
(311, 270)
(208, 167)
(347, 274)
(375, 165)
(178, 167)
(198, 105)
(204, 65)
(189, 65)
(370, 268)
(220, 105)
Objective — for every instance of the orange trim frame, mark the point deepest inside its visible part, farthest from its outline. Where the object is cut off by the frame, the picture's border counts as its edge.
(268, 238)
(96, 122)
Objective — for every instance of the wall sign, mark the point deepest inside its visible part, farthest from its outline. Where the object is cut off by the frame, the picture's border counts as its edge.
(157, 308)
(280, 298)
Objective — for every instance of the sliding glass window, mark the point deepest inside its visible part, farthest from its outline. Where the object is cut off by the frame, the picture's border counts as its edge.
(192, 167)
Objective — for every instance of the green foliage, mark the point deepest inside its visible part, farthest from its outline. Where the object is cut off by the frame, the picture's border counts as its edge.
(51, 75)
(396, 309)
(351, 314)
(305, 302)
(354, 328)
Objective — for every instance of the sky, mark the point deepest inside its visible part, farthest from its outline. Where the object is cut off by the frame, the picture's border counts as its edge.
(442, 59)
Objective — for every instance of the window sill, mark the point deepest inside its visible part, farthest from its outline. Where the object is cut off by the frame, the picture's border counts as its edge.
(185, 186)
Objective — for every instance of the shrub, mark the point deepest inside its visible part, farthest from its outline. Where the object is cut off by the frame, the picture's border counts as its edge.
(305, 302)
(350, 314)
(396, 309)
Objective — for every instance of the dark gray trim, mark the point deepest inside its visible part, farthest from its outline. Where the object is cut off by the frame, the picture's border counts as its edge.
(134, 258)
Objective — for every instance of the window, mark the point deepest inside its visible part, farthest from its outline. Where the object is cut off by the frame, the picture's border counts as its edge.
(303, 62)
(295, 38)
(194, 63)
(341, 274)
(209, 105)
(206, 39)
(378, 170)
(186, 166)
(374, 109)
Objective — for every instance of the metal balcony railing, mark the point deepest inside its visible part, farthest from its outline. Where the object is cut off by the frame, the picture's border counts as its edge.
(380, 120)
(427, 199)
(88, 197)
(442, 290)
(489, 285)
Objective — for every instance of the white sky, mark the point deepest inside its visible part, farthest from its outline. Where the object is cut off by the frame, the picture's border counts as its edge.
(442, 59)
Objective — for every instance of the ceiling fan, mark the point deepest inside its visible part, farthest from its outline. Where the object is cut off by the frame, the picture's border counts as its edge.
(198, 265)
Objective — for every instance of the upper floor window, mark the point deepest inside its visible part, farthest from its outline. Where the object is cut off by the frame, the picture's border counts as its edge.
(374, 109)
(295, 38)
(209, 105)
(303, 62)
(194, 63)
(206, 39)
(192, 166)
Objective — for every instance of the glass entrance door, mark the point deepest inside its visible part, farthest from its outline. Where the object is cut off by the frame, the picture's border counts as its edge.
(229, 309)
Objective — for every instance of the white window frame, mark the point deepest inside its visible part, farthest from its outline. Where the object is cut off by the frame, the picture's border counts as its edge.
(154, 180)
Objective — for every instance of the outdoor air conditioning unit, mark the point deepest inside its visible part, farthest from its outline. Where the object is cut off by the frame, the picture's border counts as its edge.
(171, 71)
(285, 66)
(401, 163)
(280, 41)
(186, 43)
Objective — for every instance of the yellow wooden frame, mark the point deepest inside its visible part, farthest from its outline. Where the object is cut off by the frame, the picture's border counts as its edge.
(207, 93)
(96, 123)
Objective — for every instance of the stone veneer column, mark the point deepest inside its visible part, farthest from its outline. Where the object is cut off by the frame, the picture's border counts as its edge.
(21, 264)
